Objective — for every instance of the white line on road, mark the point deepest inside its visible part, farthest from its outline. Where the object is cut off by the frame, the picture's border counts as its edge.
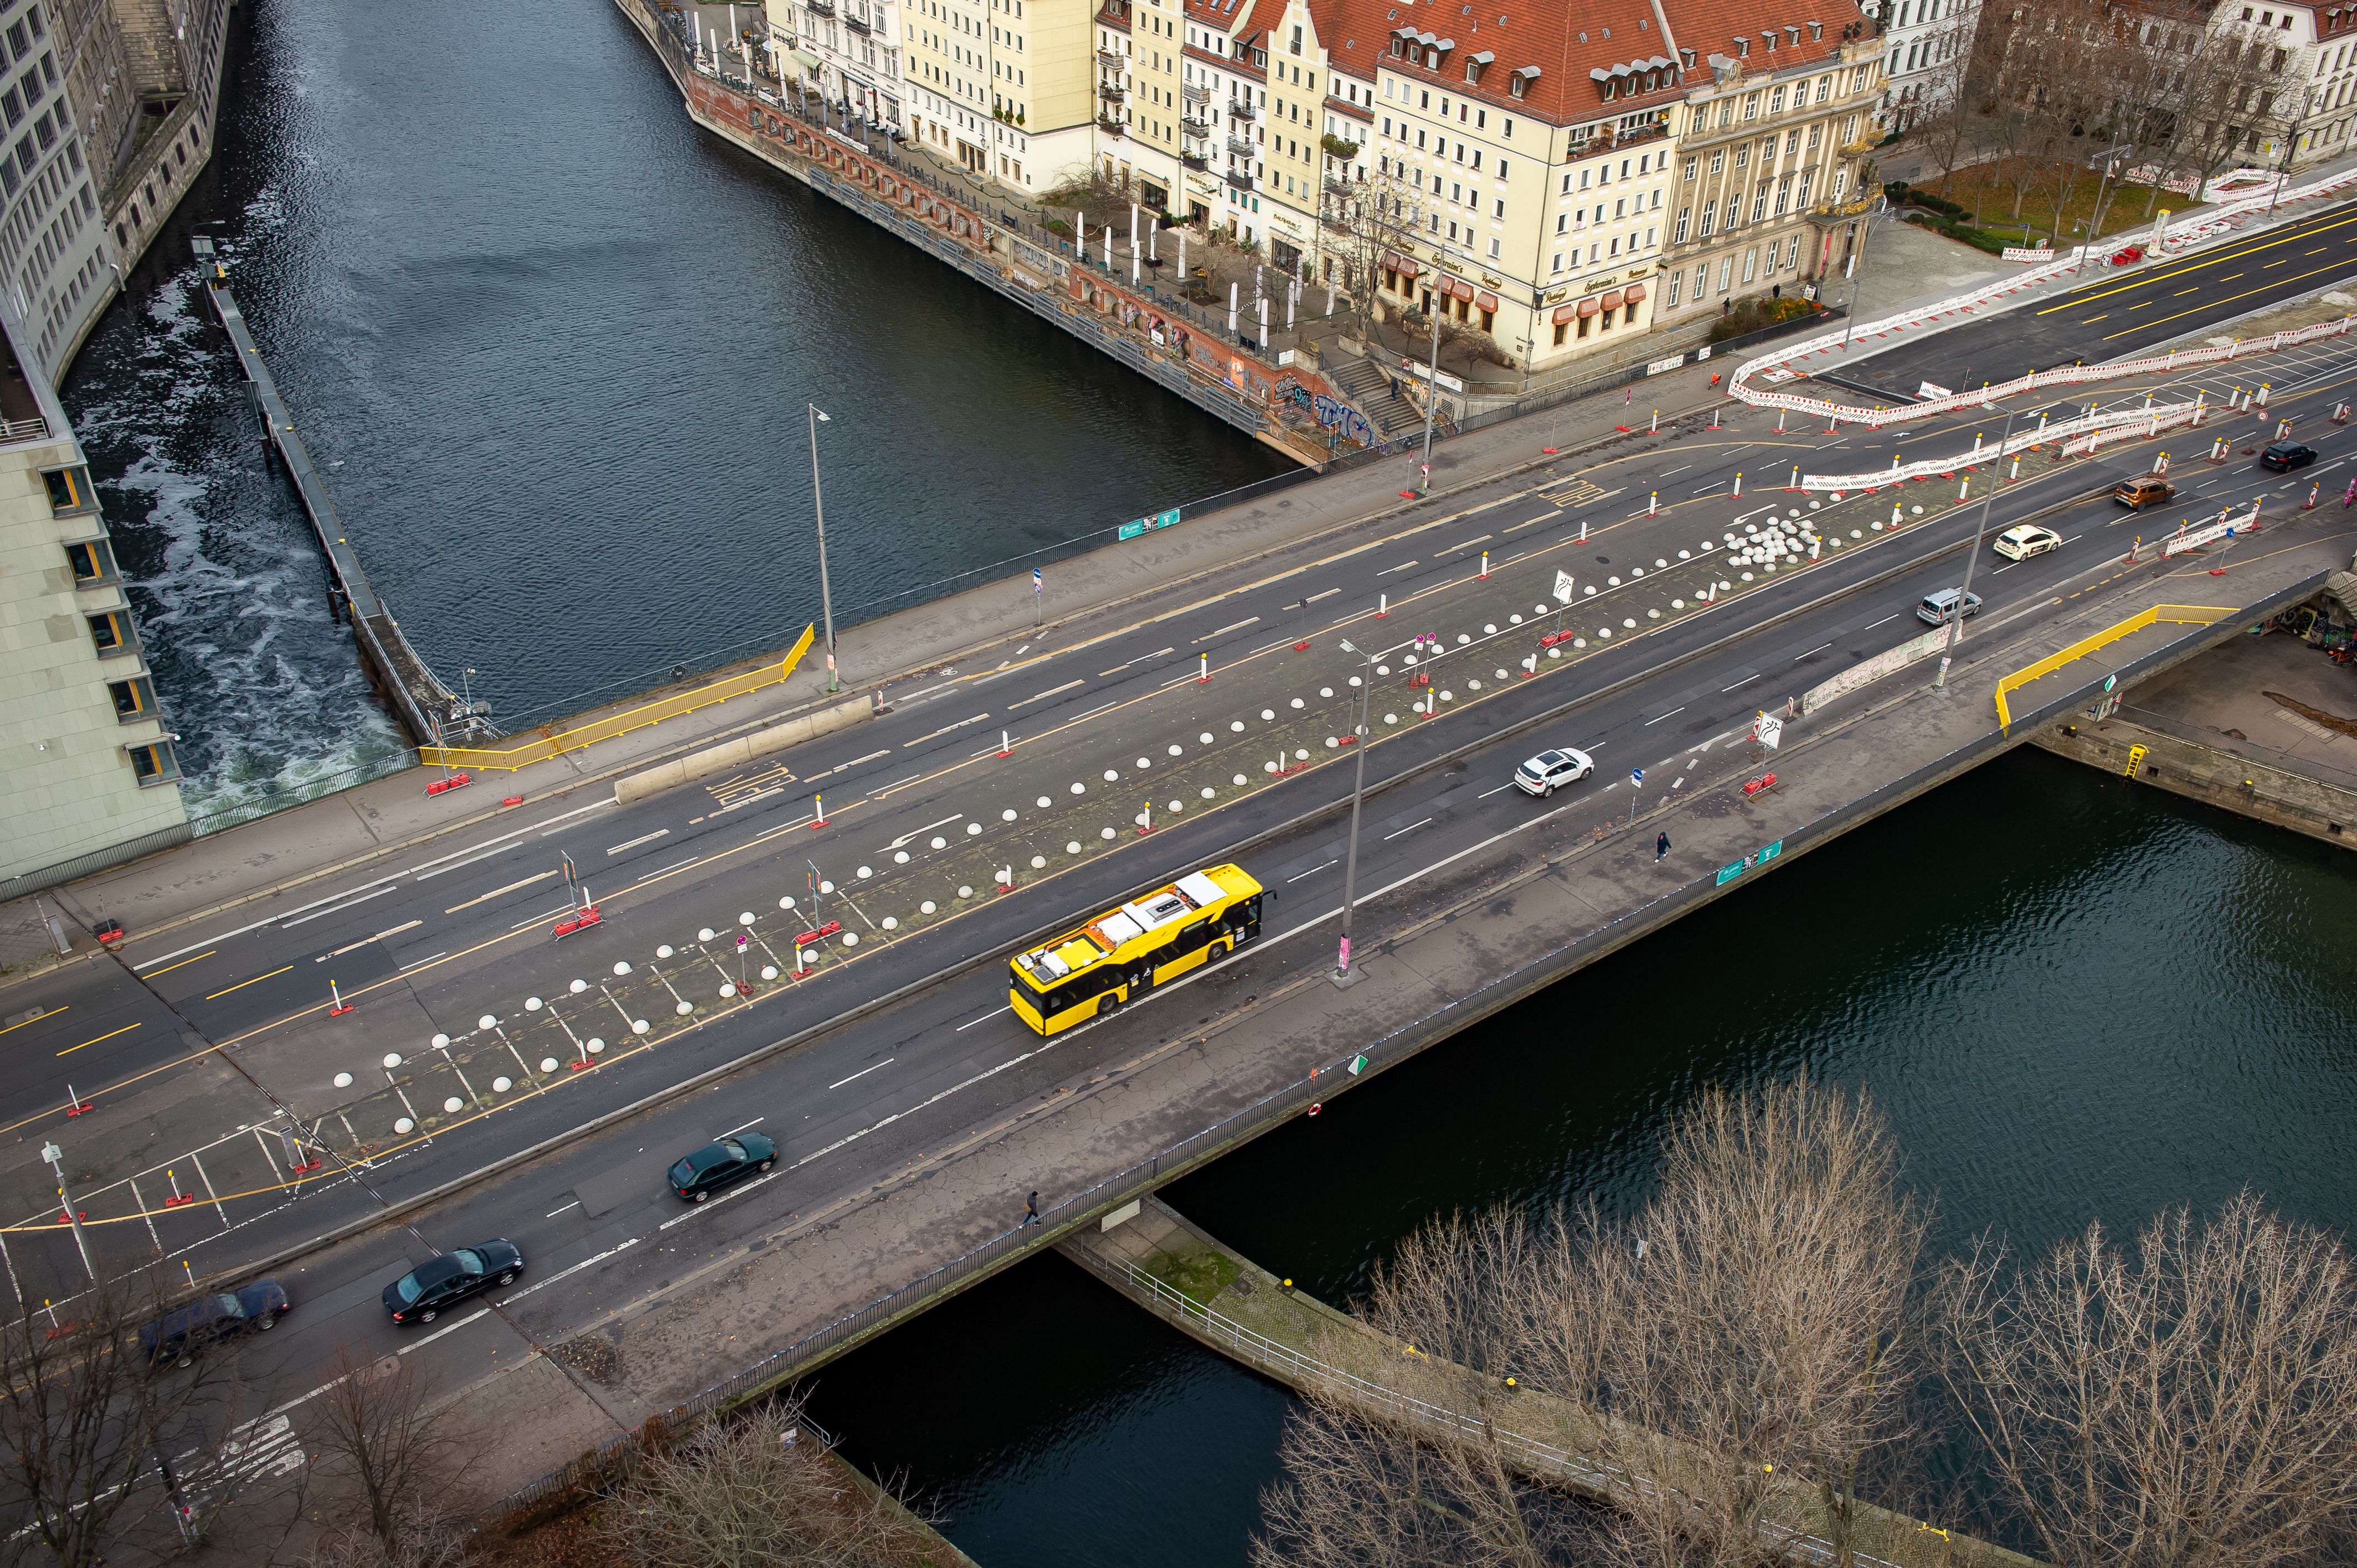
(1533, 522)
(667, 870)
(1401, 567)
(888, 1061)
(1811, 652)
(1327, 594)
(364, 941)
(629, 843)
(1042, 696)
(323, 914)
(1498, 790)
(1139, 659)
(1409, 829)
(549, 915)
(946, 729)
(421, 963)
(451, 1329)
(1232, 626)
(1671, 714)
(1092, 712)
(542, 1284)
(846, 766)
(929, 827)
(732, 1132)
(1314, 870)
(512, 887)
(744, 800)
(1679, 469)
(1886, 620)
(1745, 682)
(961, 1029)
(461, 865)
(1467, 544)
(554, 1212)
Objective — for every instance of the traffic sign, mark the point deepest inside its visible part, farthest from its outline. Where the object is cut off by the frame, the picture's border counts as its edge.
(1562, 587)
(1769, 732)
(1358, 1065)
(1636, 778)
(1035, 579)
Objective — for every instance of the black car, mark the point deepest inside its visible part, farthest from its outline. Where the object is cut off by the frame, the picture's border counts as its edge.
(2282, 456)
(717, 1165)
(181, 1333)
(425, 1293)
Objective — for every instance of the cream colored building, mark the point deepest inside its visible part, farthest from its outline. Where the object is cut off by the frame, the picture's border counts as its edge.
(88, 769)
(1770, 152)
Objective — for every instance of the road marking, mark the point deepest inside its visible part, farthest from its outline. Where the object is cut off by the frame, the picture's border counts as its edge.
(1042, 696)
(929, 827)
(1467, 544)
(1812, 653)
(554, 1212)
(946, 729)
(888, 1061)
(537, 1284)
(1535, 522)
(1401, 567)
(549, 915)
(525, 883)
(1671, 714)
(166, 970)
(1233, 626)
(846, 766)
(243, 984)
(667, 871)
(1723, 689)
(888, 789)
(1884, 621)
(391, 931)
(461, 865)
(421, 962)
(1679, 469)
(1409, 829)
(450, 1328)
(1498, 790)
(1327, 594)
(124, 1030)
(53, 1012)
(732, 1132)
(323, 914)
(743, 800)
(1119, 668)
(1314, 870)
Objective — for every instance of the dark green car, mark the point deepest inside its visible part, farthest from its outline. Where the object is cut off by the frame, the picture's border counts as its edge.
(718, 1163)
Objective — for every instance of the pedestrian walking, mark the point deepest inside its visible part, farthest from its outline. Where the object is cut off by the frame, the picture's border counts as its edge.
(1030, 1211)
(1661, 847)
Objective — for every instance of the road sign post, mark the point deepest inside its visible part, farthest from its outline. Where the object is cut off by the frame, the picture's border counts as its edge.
(1768, 730)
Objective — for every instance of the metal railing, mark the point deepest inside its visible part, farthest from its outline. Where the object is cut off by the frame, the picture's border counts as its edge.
(34, 429)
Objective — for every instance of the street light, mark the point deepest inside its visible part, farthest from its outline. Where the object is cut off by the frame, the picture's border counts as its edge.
(1965, 594)
(1432, 385)
(1857, 279)
(1343, 974)
(825, 599)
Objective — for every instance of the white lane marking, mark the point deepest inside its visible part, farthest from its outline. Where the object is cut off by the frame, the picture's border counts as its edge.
(544, 915)
(863, 1072)
(1498, 790)
(2006, 567)
(888, 789)
(554, 1212)
(946, 729)
(1232, 626)
(1468, 544)
(1042, 696)
(1401, 567)
(1671, 714)
(743, 800)
(540, 1285)
(1679, 469)
(1884, 621)
(1409, 829)
(265, 921)
(962, 1028)
(323, 914)
(1327, 594)
(392, 931)
(667, 870)
(421, 962)
(1745, 682)
(1533, 522)
(732, 1132)
(1092, 712)
(846, 766)
(1022, 650)
(1811, 652)
(1314, 871)
(448, 1328)
(484, 898)
(462, 864)
(1139, 659)
(929, 827)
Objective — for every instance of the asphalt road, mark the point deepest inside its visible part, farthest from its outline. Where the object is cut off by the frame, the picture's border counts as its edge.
(2114, 314)
(197, 1050)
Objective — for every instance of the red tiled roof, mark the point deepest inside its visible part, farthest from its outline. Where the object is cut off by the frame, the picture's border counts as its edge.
(1567, 46)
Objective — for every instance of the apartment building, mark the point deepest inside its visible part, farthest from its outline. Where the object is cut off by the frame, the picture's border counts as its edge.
(88, 769)
(2301, 65)
(1769, 160)
(1925, 44)
(148, 118)
(56, 268)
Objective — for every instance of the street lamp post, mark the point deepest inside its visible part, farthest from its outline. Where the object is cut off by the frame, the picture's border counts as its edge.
(1856, 276)
(825, 598)
(1965, 594)
(55, 1156)
(1344, 975)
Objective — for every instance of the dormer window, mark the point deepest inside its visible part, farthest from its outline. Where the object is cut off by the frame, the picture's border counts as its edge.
(1770, 39)
(1515, 84)
(1688, 56)
(1816, 32)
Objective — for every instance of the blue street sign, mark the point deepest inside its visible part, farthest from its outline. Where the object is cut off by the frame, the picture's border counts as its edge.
(1035, 579)
(1637, 777)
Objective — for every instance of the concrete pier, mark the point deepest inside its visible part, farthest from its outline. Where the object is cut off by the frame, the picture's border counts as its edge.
(411, 690)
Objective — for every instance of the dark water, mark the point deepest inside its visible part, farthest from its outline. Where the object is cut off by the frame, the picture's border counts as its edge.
(556, 345)
(2128, 1002)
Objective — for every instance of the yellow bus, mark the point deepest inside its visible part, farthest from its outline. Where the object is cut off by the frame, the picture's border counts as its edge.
(1091, 971)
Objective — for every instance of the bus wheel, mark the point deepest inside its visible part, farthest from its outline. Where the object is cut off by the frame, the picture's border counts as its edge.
(1108, 1004)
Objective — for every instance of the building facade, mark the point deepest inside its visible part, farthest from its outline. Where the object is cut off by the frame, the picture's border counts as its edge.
(88, 772)
(2299, 66)
(1926, 45)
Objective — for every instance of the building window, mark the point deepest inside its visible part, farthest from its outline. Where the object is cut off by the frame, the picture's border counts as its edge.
(69, 489)
(91, 561)
(110, 632)
(133, 699)
(154, 763)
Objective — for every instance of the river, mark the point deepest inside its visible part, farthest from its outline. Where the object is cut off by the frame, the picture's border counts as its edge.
(553, 347)
(2077, 999)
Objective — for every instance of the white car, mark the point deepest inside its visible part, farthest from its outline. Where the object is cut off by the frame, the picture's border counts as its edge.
(2020, 543)
(1550, 770)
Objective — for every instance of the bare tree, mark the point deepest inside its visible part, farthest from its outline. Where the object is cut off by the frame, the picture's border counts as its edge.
(2193, 1400)
(760, 1493)
(1367, 222)
(109, 1450)
(388, 1453)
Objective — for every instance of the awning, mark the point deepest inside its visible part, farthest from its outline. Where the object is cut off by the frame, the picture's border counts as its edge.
(1635, 293)
(1458, 287)
(1403, 267)
(810, 62)
(1564, 313)
(1589, 307)
(1612, 300)
(1486, 301)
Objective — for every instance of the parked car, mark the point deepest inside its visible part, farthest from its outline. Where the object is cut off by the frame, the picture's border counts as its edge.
(1550, 770)
(2144, 490)
(721, 1163)
(2020, 543)
(427, 1291)
(1940, 608)
(182, 1333)
(2282, 456)
(2128, 254)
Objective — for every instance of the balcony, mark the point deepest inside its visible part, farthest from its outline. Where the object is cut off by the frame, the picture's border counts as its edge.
(1112, 127)
(1240, 145)
(1239, 110)
(1195, 161)
(854, 24)
(1195, 93)
(1239, 181)
(821, 7)
(1113, 59)
(1193, 125)
(1111, 91)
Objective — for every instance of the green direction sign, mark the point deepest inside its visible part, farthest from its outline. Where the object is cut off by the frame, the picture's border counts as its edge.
(1358, 1065)
(1148, 524)
(1736, 868)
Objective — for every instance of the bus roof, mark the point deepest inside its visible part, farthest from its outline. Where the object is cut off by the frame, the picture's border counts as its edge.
(1090, 944)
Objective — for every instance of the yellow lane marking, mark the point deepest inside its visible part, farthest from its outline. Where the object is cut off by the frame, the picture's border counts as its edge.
(40, 1016)
(2313, 271)
(124, 1030)
(183, 963)
(2194, 264)
(2181, 292)
(243, 984)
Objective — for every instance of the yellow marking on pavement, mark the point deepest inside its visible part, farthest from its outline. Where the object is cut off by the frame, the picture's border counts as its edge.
(2192, 264)
(182, 964)
(243, 984)
(38, 1016)
(492, 894)
(124, 1030)
(2313, 271)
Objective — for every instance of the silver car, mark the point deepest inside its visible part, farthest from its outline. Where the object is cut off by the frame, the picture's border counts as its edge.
(1940, 608)
(1550, 770)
